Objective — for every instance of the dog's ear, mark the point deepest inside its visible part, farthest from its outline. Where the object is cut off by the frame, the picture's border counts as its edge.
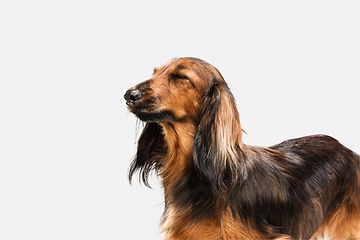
(217, 144)
(150, 152)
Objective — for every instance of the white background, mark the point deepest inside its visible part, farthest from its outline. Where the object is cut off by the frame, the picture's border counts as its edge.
(66, 138)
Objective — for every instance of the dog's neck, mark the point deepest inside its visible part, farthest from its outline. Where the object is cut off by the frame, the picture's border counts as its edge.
(179, 138)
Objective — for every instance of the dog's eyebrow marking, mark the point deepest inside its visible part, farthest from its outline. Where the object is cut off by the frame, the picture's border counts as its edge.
(179, 67)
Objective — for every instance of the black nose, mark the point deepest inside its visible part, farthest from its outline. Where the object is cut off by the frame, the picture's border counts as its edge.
(132, 96)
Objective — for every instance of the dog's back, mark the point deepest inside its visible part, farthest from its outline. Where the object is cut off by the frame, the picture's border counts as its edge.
(332, 174)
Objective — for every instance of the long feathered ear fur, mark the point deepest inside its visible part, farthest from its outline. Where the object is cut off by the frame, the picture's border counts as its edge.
(150, 152)
(218, 140)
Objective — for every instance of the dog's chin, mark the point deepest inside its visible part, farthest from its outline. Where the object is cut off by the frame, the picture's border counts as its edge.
(154, 116)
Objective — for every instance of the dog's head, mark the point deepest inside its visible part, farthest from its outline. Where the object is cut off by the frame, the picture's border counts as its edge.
(174, 91)
(189, 91)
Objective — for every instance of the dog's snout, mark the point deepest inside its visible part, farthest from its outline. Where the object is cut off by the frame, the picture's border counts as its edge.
(132, 96)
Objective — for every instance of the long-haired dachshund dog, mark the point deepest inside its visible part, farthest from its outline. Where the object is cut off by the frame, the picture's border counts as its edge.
(215, 186)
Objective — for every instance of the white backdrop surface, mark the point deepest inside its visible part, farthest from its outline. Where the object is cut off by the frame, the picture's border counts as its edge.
(66, 138)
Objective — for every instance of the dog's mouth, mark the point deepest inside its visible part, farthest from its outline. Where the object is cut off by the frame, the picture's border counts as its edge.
(149, 111)
(153, 116)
